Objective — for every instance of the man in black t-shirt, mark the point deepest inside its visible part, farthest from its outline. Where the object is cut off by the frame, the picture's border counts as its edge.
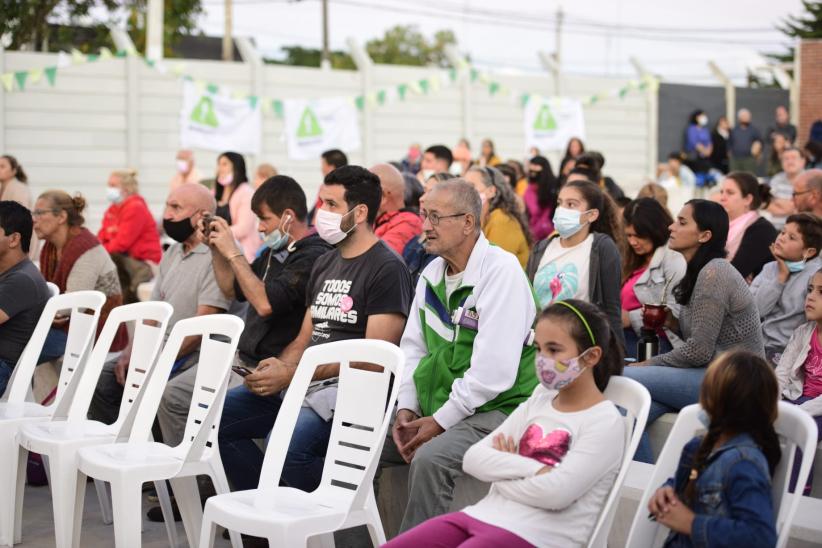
(274, 285)
(360, 290)
(23, 291)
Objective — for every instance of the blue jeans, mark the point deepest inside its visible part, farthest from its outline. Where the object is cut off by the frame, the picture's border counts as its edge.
(671, 388)
(246, 417)
(54, 345)
(5, 375)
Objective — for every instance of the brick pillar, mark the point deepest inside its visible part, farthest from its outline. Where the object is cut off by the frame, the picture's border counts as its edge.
(810, 86)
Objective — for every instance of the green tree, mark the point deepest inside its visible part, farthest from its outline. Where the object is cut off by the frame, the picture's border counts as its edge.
(806, 25)
(310, 57)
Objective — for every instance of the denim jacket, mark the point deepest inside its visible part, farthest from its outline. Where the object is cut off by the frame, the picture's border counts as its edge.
(733, 504)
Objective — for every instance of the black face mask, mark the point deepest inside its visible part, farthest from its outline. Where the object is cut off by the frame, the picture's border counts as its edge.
(180, 231)
(533, 176)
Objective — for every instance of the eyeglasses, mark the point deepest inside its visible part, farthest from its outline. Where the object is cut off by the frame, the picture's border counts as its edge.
(435, 218)
(40, 212)
(795, 194)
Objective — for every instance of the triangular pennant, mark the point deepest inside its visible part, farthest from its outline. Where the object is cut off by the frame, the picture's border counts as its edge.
(252, 101)
(35, 75)
(623, 92)
(425, 85)
(91, 57)
(51, 74)
(359, 101)
(493, 88)
(594, 99)
(212, 88)
(150, 62)
(105, 54)
(265, 107)
(188, 78)
(452, 74)
(21, 76)
(402, 89)
(8, 80)
(435, 84)
(523, 99)
(381, 96)
(178, 69)
(474, 74)
(200, 86)
(121, 53)
(277, 106)
(372, 98)
(77, 57)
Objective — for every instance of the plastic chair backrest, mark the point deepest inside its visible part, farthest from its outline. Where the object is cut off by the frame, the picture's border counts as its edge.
(363, 411)
(84, 308)
(645, 533)
(220, 334)
(796, 428)
(146, 343)
(53, 289)
(635, 399)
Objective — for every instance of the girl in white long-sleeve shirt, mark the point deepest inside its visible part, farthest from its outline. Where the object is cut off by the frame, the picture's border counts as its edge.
(554, 460)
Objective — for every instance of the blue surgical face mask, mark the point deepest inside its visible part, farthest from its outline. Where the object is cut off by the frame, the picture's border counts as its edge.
(567, 221)
(278, 239)
(795, 266)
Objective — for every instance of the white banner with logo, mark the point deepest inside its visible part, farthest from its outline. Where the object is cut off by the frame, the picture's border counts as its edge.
(551, 122)
(313, 126)
(215, 122)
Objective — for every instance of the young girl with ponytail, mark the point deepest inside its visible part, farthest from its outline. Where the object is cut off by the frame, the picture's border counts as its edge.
(553, 461)
(721, 493)
(581, 260)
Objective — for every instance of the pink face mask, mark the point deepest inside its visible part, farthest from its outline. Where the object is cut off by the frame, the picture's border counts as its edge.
(556, 375)
(225, 180)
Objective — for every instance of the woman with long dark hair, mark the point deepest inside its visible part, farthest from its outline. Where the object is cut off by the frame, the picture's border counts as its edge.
(540, 197)
(503, 222)
(749, 235)
(233, 194)
(721, 492)
(650, 269)
(574, 149)
(717, 313)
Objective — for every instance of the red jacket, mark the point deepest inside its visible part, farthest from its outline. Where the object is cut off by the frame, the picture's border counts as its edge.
(397, 228)
(128, 227)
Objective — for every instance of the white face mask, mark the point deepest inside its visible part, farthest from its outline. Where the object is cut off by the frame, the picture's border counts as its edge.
(113, 195)
(702, 120)
(328, 227)
(182, 166)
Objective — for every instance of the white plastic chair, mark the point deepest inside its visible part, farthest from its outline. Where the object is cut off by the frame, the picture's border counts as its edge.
(59, 441)
(795, 429)
(635, 399)
(126, 466)
(84, 308)
(345, 497)
(53, 289)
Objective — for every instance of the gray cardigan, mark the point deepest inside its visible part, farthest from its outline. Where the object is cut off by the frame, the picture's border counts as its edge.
(782, 306)
(721, 315)
(604, 277)
(667, 267)
(791, 372)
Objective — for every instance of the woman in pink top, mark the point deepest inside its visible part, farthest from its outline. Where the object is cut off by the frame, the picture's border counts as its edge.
(540, 197)
(799, 371)
(233, 193)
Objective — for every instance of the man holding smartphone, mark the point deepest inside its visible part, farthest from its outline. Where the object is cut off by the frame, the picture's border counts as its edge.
(274, 286)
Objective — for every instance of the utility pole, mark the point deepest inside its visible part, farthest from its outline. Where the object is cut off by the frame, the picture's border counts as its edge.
(154, 30)
(326, 58)
(557, 68)
(228, 42)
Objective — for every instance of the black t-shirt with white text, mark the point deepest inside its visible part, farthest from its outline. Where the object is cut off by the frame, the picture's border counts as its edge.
(343, 293)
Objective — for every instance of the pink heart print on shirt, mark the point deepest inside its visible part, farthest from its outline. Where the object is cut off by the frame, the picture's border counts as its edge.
(549, 449)
(346, 303)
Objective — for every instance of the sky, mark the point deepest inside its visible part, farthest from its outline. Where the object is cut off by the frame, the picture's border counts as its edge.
(673, 39)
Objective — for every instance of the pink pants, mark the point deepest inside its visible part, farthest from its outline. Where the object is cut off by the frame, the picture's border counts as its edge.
(456, 529)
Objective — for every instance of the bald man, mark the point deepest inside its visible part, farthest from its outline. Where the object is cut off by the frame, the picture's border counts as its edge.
(807, 192)
(186, 173)
(395, 225)
(186, 281)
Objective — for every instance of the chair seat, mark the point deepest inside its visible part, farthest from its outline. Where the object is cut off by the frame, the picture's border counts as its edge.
(258, 511)
(141, 462)
(42, 436)
(23, 410)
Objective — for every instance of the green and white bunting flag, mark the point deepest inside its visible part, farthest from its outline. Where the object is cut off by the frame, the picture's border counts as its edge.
(551, 122)
(219, 123)
(316, 125)
(8, 80)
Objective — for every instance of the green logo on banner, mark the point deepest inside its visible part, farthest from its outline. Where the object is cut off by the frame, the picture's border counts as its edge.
(204, 114)
(545, 120)
(309, 126)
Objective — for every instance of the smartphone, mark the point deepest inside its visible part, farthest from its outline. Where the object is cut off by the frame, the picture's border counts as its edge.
(207, 219)
(240, 370)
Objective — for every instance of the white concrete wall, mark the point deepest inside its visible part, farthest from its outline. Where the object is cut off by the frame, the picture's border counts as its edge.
(109, 114)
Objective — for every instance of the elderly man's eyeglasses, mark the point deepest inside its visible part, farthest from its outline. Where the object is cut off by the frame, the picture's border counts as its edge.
(435, 218)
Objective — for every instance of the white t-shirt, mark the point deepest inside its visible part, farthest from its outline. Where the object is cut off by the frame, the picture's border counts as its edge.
(561, 507)
(452, 283)
(564, 272)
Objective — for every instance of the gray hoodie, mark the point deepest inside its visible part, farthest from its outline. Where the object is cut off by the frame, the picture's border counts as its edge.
(781, 306)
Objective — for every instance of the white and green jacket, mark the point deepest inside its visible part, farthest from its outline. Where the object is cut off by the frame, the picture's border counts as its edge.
(454, 370)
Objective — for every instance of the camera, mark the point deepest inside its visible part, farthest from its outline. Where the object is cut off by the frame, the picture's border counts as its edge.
(208, 218)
